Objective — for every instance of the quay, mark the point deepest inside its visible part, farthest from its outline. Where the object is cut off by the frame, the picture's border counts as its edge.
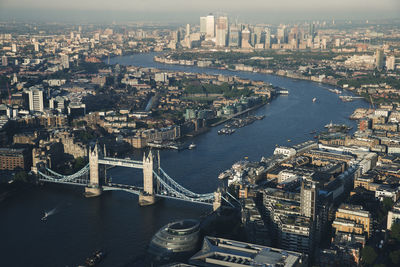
(238, 114)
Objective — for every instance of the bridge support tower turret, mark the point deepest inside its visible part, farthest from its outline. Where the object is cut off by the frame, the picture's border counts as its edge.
(217, 200)
(96, 173)
(148, 197)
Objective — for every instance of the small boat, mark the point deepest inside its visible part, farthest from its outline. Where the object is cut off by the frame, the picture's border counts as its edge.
(192, 146)
(289, 140)
(314, 99)
(44, 218)
(95, 258)
(313, 132)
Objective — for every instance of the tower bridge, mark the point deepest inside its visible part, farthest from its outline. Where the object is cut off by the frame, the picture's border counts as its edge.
(156, 182)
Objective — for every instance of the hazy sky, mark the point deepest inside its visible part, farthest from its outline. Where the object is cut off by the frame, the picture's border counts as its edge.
(181, 10)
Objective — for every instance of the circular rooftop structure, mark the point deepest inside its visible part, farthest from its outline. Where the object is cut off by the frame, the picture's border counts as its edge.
(175, 239)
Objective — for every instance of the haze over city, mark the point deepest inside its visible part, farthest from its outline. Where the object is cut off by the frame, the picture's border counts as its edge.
(200, 133)
(176, 11)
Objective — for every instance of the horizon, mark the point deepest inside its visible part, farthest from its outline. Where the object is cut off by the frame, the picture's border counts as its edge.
(178, 11)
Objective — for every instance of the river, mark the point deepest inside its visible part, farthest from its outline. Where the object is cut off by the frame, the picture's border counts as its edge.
(115, 222)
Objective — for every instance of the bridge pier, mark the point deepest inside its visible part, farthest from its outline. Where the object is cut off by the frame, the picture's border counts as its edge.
(147, 200)
(93, 191)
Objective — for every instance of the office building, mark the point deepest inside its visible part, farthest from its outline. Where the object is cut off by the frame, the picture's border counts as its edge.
(210, 27)
(267, 38)
(76, 109)
(4, 61)
(282, 35)
(391, 63)
(246, 38)
(187, 30)
(352, 219)
(36, 99)
(57, 103)
(379, 59)
(221, 31)
(175, 241)
(65, 61)
(308, 198)
(234, 36)
(225, 252)
(203, 25)
(14, 159)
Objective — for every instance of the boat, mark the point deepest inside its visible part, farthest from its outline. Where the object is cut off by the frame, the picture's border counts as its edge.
(314, 99)
(44, 218)
(313, 132)
(192, 146)
(97, 256)
(289, 140)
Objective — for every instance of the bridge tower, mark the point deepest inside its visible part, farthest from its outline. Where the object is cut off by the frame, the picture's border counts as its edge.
(147, 197)
(96, 173)
(217, 199)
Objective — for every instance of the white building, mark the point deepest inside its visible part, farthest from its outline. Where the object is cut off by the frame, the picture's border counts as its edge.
(65, 61)
(385, 191)
(221, 31)
(36, 100)
(203, 25)
(210, 27)
(286, 151)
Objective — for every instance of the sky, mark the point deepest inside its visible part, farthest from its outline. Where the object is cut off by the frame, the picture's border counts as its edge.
(190, 10)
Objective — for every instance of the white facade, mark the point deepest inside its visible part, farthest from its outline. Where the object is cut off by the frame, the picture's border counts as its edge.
(221, 31)
(286, 151)
(36, 101)
(210, 26)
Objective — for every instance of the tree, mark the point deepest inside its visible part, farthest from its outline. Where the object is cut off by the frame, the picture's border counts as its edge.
(368, 255)
(79, 163)
(395, 231)
(395, 256)
(387, 204)
(21, 176)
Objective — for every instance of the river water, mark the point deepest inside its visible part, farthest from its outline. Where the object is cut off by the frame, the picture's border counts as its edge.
(114, 221)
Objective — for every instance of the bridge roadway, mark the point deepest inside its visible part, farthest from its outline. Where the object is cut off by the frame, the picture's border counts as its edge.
(121, 162)
(137, 190)
(122, 187)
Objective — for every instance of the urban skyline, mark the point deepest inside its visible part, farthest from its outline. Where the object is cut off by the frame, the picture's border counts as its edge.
(178, 11)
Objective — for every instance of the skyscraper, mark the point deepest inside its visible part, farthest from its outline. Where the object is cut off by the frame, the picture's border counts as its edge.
(308, 195)
(258, 35)
(36, 102)
(282, 34)
(203, 25)
(210, 27)
(390, 63)
(187, 29)
(234, 36)
(222, 30)
(4, 61)
(267, 38)
(245, 38)
(65, 61)
(379, 58)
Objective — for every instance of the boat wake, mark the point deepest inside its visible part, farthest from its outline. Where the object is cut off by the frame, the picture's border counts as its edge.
(49, 213)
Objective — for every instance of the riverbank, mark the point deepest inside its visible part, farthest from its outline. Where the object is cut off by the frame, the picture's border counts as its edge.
(238, 114)
(283, 73)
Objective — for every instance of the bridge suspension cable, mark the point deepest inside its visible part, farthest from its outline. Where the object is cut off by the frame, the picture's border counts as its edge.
(171, 190)
(181, 188)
